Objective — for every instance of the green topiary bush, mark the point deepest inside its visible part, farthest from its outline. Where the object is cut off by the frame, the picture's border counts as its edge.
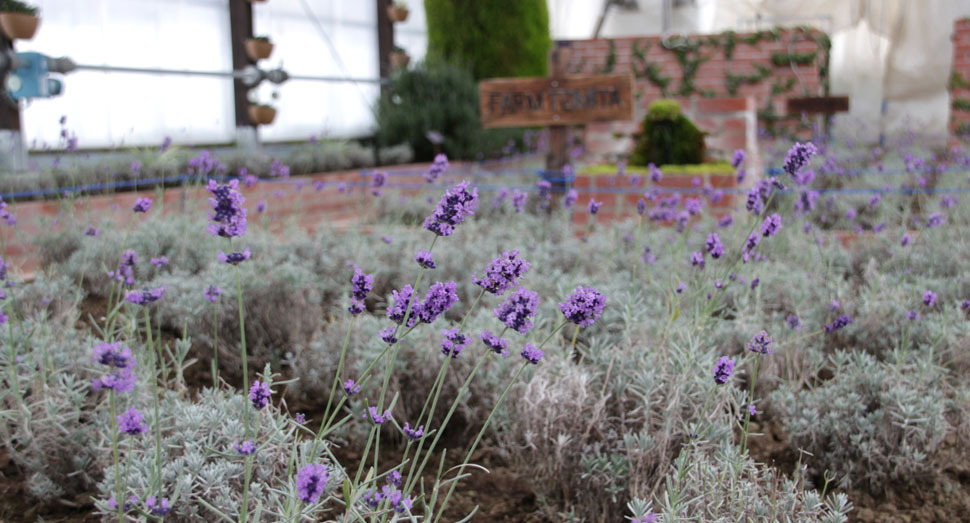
(668, 137)
(490, 39)
(437, 97)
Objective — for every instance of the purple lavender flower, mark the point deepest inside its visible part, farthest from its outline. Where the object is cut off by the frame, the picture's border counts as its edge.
(714, 246)
(378, 179)
(361, 284)
(905, 240)
(120, 363)
(438, 167)
(874, 201)
(760, 343)
(681, 287)
(935, 220)
(228, 214)
(351, 387)
(771, 225)
(912, 315)
(584, 306)
(641, 206)
(799, 156)
(413, 434)
(142, 205)
(726, 221)
(754, 283)
(300, 418)
(850, 214)
(840, 323)
(646, 518)
(754, 204)
(929, 298)
(965, 305)
(439, 298)
(655, 174)
(402, 298)
(498, 345)
(570, 199)
(518, 309)
(356, 306)
(131, 422)
(261, 206)
(948, 201)
(532, 354)
(697, 259)
(388, 335)
(453, 342)
(159, 262)
(738, 158)
(158, 507)
(593, 206)
(518, 200)
(212, 293)
(394, 478)
(502, 273)
(456, 204)
(794, 322)
(234, 258)
(752, 410)
(91, 231)
(145, 296)
(245, 448)
(425, 259)
(741, 174)
(693, 205)
(259, 394)
(377, 417)
(126, 272)
(723, 370)
(311, 481)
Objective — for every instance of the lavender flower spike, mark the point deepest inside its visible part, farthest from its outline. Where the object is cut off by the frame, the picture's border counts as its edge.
(131, 422)
(584, 306)
(142, 205)
(761, 343)
(532, 354)
(799, 156)
(311, 481)
(518, 309)
(228, 214)
(425, 259)
(455, 205)
(723, 370)
(259, 394)
(502, 273)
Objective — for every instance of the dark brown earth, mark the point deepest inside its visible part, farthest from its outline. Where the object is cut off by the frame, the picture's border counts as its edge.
(942, 497)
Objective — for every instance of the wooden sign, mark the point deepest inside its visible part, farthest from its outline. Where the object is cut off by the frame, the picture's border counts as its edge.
(818, 105)
(535, 102)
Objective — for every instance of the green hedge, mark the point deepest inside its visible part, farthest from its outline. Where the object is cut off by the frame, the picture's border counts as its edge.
(668, 137)
(491, 39)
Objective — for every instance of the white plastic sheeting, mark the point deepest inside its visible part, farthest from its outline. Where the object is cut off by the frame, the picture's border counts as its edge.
(312, 37)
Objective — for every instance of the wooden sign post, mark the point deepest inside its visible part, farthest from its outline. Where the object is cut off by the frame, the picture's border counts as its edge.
(557, 102)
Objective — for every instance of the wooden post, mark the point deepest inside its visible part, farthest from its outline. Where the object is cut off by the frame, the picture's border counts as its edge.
(385, 41)
(240, 28)
(557, 156)
(9, 109)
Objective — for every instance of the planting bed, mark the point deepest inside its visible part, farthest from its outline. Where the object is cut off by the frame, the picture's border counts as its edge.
(756, 355)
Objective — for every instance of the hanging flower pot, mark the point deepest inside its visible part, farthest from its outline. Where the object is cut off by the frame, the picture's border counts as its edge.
(398, 12)
(262, 114)
(259, 48)
(18, 20)
(399, 58)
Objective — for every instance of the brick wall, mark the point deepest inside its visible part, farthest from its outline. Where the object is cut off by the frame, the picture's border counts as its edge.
(960, 82)
(710, 81)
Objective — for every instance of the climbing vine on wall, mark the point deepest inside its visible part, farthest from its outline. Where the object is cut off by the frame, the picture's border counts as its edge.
(691, 52)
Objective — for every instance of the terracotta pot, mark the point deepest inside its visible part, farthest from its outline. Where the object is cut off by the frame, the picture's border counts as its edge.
(261, 115)
(19, 26)
(258, 49)
(398, 14)
(399, 60)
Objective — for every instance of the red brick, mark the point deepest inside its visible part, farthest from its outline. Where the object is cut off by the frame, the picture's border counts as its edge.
(720, 105)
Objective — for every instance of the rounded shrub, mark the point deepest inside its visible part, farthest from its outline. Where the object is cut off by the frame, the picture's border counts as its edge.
(668, 137)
